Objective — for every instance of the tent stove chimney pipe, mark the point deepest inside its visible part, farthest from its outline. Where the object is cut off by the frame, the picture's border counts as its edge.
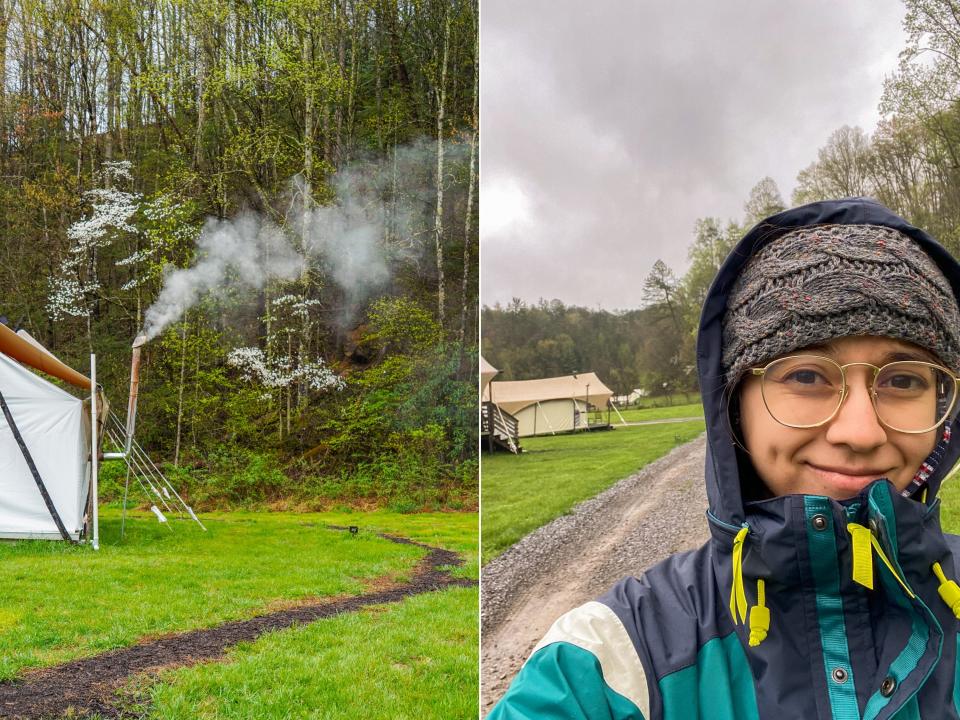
(138, 343)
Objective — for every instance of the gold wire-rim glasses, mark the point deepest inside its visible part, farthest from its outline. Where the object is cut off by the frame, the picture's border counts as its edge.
(844, 390)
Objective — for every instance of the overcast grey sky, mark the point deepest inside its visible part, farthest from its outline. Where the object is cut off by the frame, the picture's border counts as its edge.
(609, 127)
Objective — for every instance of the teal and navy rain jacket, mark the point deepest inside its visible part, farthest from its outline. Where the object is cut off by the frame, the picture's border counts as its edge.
(805, 637)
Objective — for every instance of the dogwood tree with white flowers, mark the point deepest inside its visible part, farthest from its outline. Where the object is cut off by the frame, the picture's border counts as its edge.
(76, 285)
(285, 369)
(278, 373)
(149, 230)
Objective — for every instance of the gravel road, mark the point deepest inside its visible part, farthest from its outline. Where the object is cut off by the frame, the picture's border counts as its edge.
(624, 530)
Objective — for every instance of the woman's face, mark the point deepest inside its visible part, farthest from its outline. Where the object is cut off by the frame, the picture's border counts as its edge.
(843, 456)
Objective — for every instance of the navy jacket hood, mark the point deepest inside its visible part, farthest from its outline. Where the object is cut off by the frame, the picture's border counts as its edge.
(722, 474)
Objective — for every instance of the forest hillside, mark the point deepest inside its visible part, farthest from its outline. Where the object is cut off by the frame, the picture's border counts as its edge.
(283, 197)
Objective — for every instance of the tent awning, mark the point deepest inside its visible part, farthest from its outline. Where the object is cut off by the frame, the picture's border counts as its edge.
(512, 396)
(39, 358)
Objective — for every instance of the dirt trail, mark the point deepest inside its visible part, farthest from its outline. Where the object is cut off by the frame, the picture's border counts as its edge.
(624, 530)
(87, 686)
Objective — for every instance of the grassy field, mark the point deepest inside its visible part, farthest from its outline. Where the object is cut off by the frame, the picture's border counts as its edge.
(659, 413)
(554, 473)
(950, 504)
(60, 602)
(416, 659)
(679, 398)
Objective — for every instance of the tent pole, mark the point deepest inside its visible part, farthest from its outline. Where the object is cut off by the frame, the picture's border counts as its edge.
(588, 406)
(617, 411)
(93, 451)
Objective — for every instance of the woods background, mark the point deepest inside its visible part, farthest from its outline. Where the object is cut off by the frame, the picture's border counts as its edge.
(315, 163)
(911, 164)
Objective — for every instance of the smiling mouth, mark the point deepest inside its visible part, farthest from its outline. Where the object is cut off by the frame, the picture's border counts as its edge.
(845, 479)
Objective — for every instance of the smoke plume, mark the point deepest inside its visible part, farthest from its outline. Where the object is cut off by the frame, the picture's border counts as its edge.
(382, 214)
(246, 250)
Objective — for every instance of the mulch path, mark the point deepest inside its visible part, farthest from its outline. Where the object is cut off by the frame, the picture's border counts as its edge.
(84, 687)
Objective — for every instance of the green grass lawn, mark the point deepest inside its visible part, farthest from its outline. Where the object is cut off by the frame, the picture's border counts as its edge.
(59, 602)
(659, 413)
(554, 473)
(415, 659)
(950, 504)
(678, 398)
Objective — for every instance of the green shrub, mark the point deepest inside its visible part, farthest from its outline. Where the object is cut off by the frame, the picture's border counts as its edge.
(110, 480)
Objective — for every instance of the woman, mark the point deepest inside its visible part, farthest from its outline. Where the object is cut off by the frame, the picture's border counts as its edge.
(828, 352)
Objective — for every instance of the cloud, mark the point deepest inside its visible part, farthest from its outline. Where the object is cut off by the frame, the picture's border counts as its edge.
(621, 123)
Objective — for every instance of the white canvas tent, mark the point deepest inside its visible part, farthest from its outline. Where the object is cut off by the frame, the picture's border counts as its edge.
(550, 405)
(55, 428)
(46, 436)
(50, 446)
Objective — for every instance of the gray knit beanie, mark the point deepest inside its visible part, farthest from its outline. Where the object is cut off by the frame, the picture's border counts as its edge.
(822, 282)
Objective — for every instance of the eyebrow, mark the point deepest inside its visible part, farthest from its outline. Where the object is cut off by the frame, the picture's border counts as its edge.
(910, 355)
(892, 356)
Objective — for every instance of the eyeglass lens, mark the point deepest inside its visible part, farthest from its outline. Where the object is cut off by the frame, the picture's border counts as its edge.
(807, 390)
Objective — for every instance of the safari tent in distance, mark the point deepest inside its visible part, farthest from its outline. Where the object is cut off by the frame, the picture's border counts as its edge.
(550, 405)
(498, 428)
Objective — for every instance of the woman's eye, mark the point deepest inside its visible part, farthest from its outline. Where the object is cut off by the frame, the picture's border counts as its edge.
(904, 382)
(805, 377)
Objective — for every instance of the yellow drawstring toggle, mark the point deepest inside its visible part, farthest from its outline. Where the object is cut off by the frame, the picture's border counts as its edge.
(949, 590)
(863, 557)
(738, 598)
(759, 616)
(759, 613)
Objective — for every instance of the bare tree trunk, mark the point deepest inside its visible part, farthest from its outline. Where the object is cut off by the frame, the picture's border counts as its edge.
(201, 98)
(438, 219)
(354, 75)
(468, 220)
(306, 56)
(4, 24)
(378, 83)
(280, 419)
(196, 394)
(342, 65)
(112, 87)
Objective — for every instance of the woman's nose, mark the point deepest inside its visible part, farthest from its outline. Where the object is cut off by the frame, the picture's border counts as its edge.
(856, 423)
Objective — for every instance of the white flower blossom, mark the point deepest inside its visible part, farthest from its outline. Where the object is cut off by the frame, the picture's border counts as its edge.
(111, 214)
(112, 210)
(281, 371)
(299, 306)
(137, 257)
(117, 170)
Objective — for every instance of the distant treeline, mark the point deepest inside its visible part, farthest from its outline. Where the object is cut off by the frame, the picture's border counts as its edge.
(548, 339)
(911, 164)
(126, 126)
